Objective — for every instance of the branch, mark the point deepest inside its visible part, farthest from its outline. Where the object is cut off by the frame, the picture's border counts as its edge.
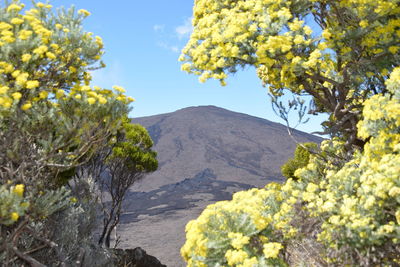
(27, 258)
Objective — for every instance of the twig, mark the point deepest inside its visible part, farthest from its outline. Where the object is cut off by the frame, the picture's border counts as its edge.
(27, 258)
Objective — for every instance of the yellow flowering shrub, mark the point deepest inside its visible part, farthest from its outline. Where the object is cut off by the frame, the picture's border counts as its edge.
(338, 52)
(345, 55)
(249, 230)
(355, 200)
(45, 91)
(52, 121)
(358, 203)
(49, 58)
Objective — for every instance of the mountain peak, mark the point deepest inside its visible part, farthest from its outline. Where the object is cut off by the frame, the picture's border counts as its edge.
(234, 146)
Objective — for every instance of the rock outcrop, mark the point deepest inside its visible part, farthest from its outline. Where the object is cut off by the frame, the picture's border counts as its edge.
(136, 257)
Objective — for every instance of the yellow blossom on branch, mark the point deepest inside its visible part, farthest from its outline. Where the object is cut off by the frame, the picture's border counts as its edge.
(19, 189)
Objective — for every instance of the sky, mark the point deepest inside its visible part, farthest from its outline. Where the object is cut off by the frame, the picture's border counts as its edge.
(142, 42)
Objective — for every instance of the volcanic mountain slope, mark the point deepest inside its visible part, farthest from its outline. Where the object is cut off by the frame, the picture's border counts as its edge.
(205, 154)
(234, 146)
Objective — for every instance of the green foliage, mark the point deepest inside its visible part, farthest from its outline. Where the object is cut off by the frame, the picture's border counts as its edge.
(134, 146)
(300, 159)
(126, 159)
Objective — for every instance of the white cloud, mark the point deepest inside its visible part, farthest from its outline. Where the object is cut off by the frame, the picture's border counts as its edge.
(185, 29)
(172, 41)
(169, 47)
(158, 27)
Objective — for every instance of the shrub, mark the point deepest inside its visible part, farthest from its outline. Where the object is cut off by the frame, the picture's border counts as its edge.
(300, 159)
(51, 122)
(350, 190)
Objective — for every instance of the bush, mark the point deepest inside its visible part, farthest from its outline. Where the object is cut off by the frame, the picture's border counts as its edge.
(300, 159)
(51, 122)
(349, 192)
(354, 203)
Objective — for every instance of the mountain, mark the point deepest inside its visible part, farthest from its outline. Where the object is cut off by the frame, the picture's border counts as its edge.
(205, 154)
(235, 146)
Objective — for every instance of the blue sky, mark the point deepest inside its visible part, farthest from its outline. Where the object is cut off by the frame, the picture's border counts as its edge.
(143, 40)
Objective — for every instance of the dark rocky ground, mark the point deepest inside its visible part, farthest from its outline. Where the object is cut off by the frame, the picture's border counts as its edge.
(179, 196)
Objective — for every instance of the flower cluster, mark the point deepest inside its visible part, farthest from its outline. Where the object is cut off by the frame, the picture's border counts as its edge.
(12, 203)
(47, 58)
(249, 230)
(337, 52)
(274, 36)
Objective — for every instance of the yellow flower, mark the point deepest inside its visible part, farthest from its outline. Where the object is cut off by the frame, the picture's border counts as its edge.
(271, 250)
(364, 24)
(326, 34)
(16, 73)
(50, 55)
(5, 26)
(394, 49)
(238, 240)
(73, 199)
(91, 100)
(13, 7)
(119, 89)
(84, 12)
(40, 5)
(99, 41)
(72, 69)
(4, 89)
(102, 100)
(24, 34)
(32, 84)
(19, 189)
(26, 106)
(26, 57)
(8, 39)
(40, 50)
(307, 30)
(17, 21)
(21, 79)
(60, 93)
(17, 95)
(235, 256)
(312, 187)
(14, 216)
(8, 68)
(43, 94)
(6, 102)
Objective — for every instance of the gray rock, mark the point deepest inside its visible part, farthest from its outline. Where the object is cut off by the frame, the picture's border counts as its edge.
(136, 257)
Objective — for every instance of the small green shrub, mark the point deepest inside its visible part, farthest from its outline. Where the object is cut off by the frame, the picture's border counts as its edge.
(300, 159)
